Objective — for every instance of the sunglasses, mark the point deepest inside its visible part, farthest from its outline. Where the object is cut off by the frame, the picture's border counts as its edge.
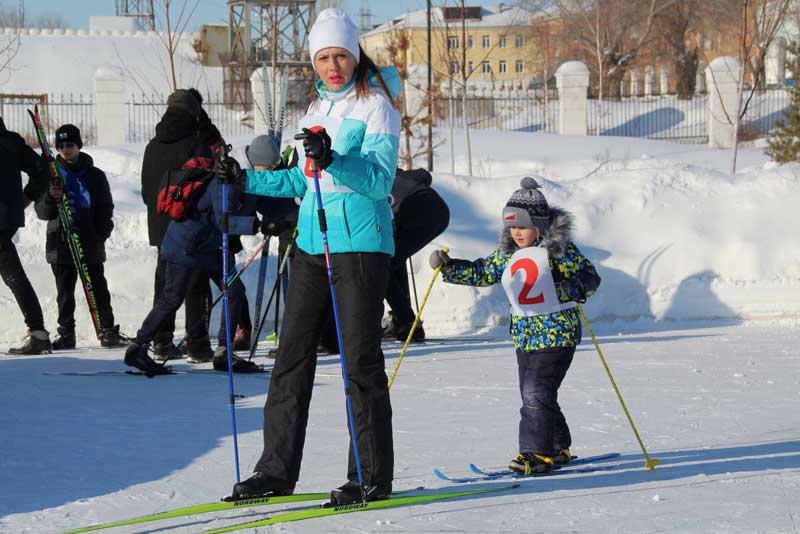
(65, 145)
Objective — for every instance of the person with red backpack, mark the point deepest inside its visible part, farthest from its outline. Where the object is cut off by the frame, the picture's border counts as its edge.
(194, 245)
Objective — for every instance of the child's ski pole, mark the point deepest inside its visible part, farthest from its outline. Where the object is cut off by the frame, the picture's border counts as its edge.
(416, 320)
(649, 463)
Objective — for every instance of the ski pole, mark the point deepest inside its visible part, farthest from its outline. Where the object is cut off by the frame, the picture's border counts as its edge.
(414, 284)
(262, 275)
(272, 294)
(649, 463)
(323, 227)
(416, 320)
(222, 153)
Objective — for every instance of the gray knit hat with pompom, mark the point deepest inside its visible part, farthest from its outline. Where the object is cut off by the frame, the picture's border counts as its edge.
(527, 207)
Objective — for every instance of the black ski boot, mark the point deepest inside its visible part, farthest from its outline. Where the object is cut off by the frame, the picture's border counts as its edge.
(64, 341)
(239, 365)
(110, 338)
(36, 342)
(350, 493)
(562, 458)
(166, 350)
(136, 356)
(199, 350)
(401, 332)
(260, 485)
(528, 463)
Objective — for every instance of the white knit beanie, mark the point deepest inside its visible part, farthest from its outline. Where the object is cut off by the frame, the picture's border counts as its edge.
(333, 28)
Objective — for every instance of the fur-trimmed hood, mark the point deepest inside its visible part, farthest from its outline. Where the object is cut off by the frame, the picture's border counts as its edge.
(555, 238)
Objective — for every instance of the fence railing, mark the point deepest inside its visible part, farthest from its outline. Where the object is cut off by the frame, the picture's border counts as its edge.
(55, 110)
(764, 110)
(524, 114)
(663, 117)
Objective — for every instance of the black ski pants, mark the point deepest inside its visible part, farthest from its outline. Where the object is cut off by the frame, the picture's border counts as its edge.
(197, 298)
(360, 283)
(178, 282)
(421, 218)
(66, 276)
(17, 281)
(542, 427)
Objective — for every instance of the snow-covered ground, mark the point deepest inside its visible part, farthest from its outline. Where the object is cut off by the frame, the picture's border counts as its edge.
(701, 289)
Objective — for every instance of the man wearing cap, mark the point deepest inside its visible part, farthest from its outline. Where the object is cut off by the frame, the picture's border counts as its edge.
(92, 209)
(176, 141)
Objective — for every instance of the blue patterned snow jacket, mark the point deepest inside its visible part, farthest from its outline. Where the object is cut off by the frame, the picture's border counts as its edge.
(356, 186)
(558, 329)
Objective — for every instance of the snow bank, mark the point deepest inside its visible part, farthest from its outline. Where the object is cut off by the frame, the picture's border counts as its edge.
(673, 235)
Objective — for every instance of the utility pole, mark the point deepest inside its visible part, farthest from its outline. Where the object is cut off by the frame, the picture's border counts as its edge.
(430, 94)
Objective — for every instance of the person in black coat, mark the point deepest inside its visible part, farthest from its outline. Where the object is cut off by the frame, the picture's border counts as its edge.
(420, 215)
(92, 210)
(176, 141)
(18, 157)
(191, 246)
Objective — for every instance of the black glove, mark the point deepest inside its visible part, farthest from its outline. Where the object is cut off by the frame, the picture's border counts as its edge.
(573, 288)
(276, 228)
(230, 172)
(438, 258)
(318, 146)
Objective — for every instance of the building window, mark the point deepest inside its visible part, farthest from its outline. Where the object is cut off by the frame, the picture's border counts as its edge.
(502, 43)
(470, 67)
(454, 67)
(469, 41)
(520, 40)
(486, 42)
(502, 67)
(519, 68)
(452, 42)
(486, 67)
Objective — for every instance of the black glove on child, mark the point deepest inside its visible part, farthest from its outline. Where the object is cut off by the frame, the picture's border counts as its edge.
(230, 172)
(276, 228)
(574, 290)
(438, 258)
(317, 145)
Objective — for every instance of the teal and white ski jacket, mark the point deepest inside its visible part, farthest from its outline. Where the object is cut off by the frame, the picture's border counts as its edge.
(356, 186)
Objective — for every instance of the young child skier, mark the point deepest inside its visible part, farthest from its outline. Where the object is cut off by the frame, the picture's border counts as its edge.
(546, 342)
(92, 209)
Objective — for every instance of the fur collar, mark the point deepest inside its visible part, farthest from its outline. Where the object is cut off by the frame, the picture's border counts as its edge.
(554, 239)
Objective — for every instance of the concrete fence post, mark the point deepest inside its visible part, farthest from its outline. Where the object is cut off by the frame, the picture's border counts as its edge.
(109, 95)
(572, 80)
(722, 77)
(649, 80)
(775, 63)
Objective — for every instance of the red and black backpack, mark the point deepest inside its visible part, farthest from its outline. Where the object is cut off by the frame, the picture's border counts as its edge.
(180, 189)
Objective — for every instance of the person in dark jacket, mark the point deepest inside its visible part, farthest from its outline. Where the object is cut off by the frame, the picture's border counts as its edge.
(18, 157)
(420, 215)
(92, 209)
(193, 246)
(176, 141)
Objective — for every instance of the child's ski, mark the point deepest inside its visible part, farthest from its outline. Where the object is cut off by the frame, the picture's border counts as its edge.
(394, 502)
(483, 475)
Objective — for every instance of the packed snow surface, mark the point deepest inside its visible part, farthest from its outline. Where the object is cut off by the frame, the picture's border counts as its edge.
(700, 291)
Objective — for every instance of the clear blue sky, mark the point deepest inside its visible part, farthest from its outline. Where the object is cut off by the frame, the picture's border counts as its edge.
(77, 13)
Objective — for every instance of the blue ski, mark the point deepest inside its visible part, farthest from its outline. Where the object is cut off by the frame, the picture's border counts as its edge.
(483, 475)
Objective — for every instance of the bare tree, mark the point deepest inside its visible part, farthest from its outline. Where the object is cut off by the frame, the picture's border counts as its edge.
(612, 33)
(544, 33)
(173, 26)
(759, 22)
(676, 23)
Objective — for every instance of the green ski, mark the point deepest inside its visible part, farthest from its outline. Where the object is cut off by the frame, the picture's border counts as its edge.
(207, 507)
(394, 502)
(215, 507)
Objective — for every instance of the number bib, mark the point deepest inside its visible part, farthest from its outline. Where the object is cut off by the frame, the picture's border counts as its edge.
(529, 284)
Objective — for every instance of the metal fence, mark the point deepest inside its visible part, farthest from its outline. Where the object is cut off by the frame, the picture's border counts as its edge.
(145, 111)
(664, 117)
(764, 109)
(522, 114)
(55, 110)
